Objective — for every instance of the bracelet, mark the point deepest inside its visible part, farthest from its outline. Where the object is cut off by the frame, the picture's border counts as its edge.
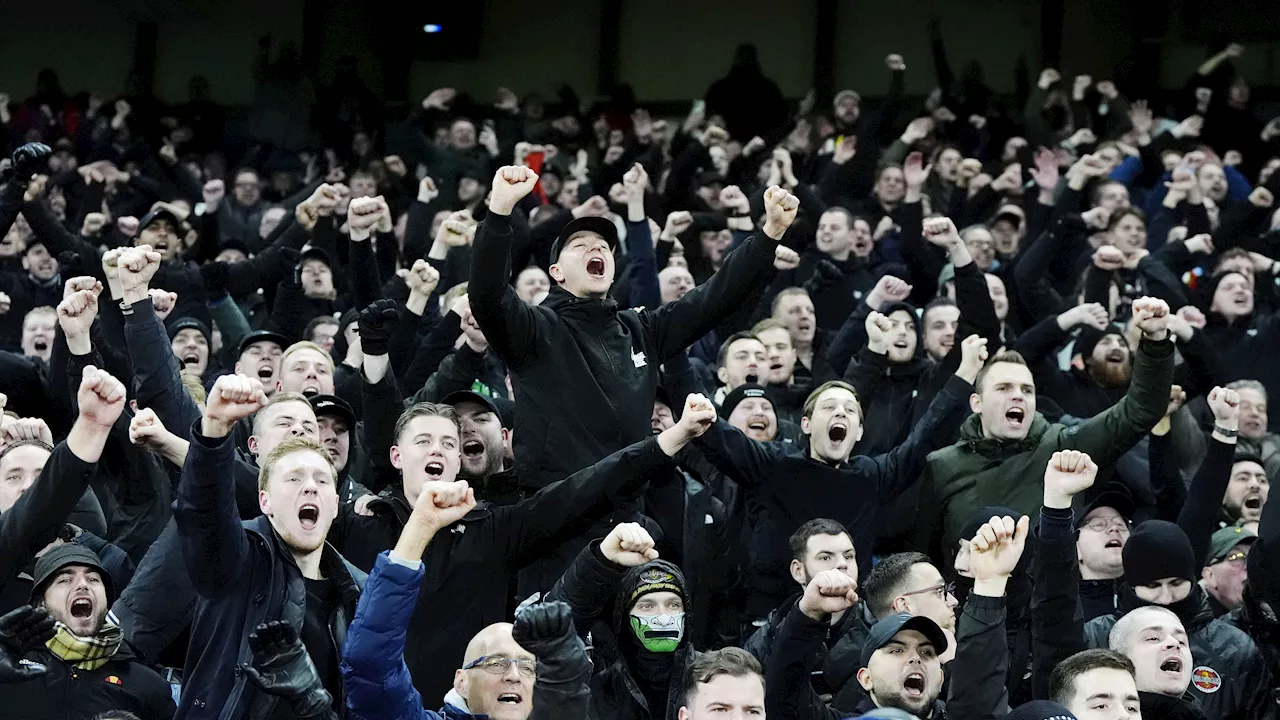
(1219, 430)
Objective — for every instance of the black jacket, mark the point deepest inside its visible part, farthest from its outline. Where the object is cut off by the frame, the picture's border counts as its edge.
(792, 488)
(244, 576)
(846, 635)
(977, 672)
(588, 364)
(469, 565)
(69, 693)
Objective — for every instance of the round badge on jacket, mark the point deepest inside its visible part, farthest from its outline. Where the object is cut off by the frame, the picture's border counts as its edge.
(1206, 679)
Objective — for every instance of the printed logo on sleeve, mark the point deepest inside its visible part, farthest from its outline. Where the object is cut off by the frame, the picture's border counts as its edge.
(638, 359)
(1206, 679)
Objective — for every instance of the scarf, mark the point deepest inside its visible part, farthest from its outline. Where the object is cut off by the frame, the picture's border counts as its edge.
(88, 653)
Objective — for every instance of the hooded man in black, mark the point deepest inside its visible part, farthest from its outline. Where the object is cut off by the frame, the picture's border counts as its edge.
(650, 603)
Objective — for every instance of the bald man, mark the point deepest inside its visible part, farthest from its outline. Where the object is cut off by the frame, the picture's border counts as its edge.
(496, 677)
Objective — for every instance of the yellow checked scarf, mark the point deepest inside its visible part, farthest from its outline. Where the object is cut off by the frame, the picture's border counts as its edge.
(88, 653)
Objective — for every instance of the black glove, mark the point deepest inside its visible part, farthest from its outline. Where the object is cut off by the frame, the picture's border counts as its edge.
(22, 631)
(282, 667)
(377, 322)
(30, 159)
(70, 264)
(217, 276)
(545, 628)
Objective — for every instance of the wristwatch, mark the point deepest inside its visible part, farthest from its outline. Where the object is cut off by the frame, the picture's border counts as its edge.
(1218, 429)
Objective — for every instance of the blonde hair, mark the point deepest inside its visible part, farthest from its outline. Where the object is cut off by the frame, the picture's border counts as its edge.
(278, 398)
(305, 345)
(289, 446)
(38, 312)
(194, 388)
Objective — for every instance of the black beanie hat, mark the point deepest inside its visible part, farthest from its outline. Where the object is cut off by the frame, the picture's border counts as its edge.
(1040, 710)
(1089, 338)
(655, 576)
(742, 392)
(1158, 549)
(1211, 287)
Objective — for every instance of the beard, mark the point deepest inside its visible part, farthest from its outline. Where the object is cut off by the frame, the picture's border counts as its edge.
(1111, 374)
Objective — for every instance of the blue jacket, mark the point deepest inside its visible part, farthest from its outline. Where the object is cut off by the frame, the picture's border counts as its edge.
(373, 668)
(244, 576)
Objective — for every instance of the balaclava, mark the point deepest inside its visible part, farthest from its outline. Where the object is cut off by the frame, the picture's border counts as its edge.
(661, 633)
(1159, 549)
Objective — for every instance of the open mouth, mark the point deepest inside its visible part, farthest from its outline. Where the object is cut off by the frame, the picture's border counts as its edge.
(190, 359)
(265, 372)
(837, 433)
(1253, 501)
(82, 608)
(752, 377)
(804, 326)
(758, 424)
(1114, 543)
(1172, 665)
(308, 516)
(510, 699)
(435, 468)
(472, 448)
(775, 367)
(913, 684)
(1116, 356)
(40, 345)
(595, 267)
(1016, 416)
(1241, 300)
(901, 345)
(161, 246)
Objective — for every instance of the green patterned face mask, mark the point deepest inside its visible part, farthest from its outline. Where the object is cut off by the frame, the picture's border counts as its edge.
(659, 633)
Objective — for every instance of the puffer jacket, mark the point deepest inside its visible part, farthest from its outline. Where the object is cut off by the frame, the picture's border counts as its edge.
(1230, 678)
(978, 471)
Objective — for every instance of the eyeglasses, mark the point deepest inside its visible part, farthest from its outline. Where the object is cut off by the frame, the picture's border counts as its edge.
(942, 590)
(1236, 558)
(1099, 525)
(498, 665)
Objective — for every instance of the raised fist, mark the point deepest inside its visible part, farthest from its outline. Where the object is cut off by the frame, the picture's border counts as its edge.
(1192, 316)
(829, 592)
(538, 628)
(732, 198)
(422, 278)
(699, 414)
(1151, 315)
(93, 224)
(233, 398)
(146, 430)
(1069, 473)
(1109, 258)
(1261, 197)
(677, 223)
(25, 429)
(77, 311)
(1225, 404)
(878, 327)
(634, 182)
(784, 258)
(127, 225)
(628, 545)
(780, 209)
(888, 289)
(895, 63)
(163, 302)
(441, 504)
(510, 184)
(363, 215)
(594, 206)
(31, 158)
(941, 232)
(458, 229)
(996, 547)
(973, 355)
(137, 266)
(377, 323)
(101, 397)
(427, 190)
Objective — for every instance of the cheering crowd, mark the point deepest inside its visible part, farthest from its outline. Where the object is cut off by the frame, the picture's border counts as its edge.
(542, 408)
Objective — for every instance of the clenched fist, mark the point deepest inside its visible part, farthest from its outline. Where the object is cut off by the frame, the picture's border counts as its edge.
(441, 504)
(136, 268)
(422, 278)
(973, 355)
(698, 415)
(77, 311)
(146, 430)
(510, 184)
(628, 545)
(101, 397)
(1069, 473)
(233, 398)
(780, 209)
(458, 230)
(877, 326)
(995, 550)
(829, 592)
(941, 232)
(784, 258)
(1225, 404)
(1151, 315)
(1109, 258)
(363, 215)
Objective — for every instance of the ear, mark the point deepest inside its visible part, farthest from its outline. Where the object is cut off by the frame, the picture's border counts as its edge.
(279, 385)
(722, 375)
(556, 273)
(460, 682)
(804, 426)
(253, 444)
(264, 502)
(1206, 573)
(797, 571)
(901, 605)
(238, 370)
(975, 402)
(864, 679)
(395, 457)
(684, 713)
(858, 435)
(506, 436)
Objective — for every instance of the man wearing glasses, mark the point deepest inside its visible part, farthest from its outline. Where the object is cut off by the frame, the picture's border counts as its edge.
(1224, 574)
(910, 583)
(1102, 531)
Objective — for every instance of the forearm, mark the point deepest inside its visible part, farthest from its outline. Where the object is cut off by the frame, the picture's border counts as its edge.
(1199, 514)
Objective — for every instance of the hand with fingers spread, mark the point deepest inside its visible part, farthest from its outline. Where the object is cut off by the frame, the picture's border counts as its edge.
(282, 667)
(780, 209)
(915, 172)
(1069, 473)
(994, 552)
(1151, 315)
(510, 185)
(628, 545)
(828, 593)
(22, 631)
(973, 355)
(232, 399)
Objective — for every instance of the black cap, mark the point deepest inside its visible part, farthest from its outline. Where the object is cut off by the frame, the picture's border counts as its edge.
(1040, 710)
(315, 253)
(459, 396)
(188, 323)
(333, 405)
(603, 227)
(160, 212)
(882, 632)
(1115, 496)
(259, 336)
(235, 244)
(68, 554)
(740, 393)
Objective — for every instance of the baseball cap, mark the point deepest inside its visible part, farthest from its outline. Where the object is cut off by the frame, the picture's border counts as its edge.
(62, 556)
(259, 336)
(1114, 496)
(315, 253)
(884, 631)
(603, 227)
(1222, 542)
(160, 212)
(1012, 213)
(333, 405)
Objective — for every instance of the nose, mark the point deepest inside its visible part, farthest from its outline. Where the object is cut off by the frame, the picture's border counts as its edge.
(297, 430)
(952, 602)
(512, 674)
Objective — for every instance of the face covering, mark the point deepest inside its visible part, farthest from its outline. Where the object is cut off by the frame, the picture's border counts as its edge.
(659, 633)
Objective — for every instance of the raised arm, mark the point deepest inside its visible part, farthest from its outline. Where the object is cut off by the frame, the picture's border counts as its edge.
(508, 321)
(1199, 515)
(379, 393)
(788, 691)
(215, 548)
(591, 581)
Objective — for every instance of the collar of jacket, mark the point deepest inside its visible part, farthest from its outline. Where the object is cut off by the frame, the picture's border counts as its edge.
(587, 310)
(937, 712)
(393, 501)
(1193, 610)
(334, 566)
(972, 438)
(1171, 708)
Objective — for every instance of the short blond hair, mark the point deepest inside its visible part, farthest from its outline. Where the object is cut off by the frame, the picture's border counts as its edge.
(289, 446)
(277, 399)
(43, 310)
(194, 388)
(305, 345)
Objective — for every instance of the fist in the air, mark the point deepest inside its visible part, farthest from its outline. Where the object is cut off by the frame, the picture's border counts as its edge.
(780, 208)
(510, 184)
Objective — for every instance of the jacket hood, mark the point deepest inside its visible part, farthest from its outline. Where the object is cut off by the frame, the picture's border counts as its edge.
(634, 578)
(569, 306)
(1194, 610)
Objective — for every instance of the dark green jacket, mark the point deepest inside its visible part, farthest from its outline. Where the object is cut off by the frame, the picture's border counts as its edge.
(978, 471)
